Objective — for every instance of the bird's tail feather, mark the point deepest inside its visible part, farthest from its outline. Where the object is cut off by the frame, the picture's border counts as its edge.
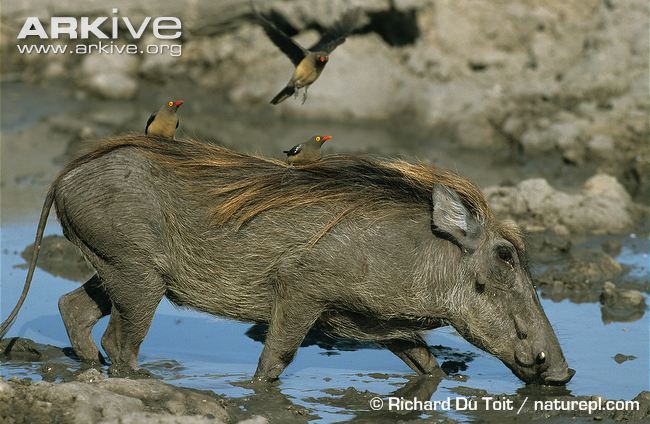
(283, 95)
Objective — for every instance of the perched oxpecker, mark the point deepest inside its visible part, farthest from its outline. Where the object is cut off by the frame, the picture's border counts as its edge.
(306, 152)
(309, 62)
(165, 121)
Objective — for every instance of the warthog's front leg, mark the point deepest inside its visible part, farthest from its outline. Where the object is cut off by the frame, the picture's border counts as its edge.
(290, 322)
(416, 354)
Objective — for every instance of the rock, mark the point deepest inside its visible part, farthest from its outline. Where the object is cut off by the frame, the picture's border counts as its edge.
(91, 375)
(474, 130)
(565, 134)
(541, 198)
(601, 146)
(55, 69)
(640, 414)
(107, 401)
(175, 400)
(111, 76)
(164, 64)
(17, 348)
(602, 185)
(506, 201)
(544, 247)
(620, 305)
(5, 389)
(255, 420)
(151, 418)
(535, 141)
(97, 63)
(612, 296)
(44, 402)
(620, 358)
(603, 206)
(612, 247)
(588, 267)
(112, 86)
(61, 258)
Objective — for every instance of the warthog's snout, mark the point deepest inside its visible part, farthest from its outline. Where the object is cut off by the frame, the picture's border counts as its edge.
(556, 377)
(541, 366)
(537, 373)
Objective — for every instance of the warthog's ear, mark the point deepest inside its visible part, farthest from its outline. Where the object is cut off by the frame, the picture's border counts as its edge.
(452, 221)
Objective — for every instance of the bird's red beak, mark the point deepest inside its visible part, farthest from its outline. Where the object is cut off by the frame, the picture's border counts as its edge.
(177, 103)
(326, 137)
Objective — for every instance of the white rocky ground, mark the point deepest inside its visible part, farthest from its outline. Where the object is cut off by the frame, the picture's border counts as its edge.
(569, 78)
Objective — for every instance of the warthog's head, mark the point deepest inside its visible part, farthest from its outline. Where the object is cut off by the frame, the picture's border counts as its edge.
(492, 302)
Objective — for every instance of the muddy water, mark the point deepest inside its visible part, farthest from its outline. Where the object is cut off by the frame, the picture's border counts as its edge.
(328, 381)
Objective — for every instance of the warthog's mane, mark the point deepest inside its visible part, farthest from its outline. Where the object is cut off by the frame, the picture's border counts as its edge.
(241, 186)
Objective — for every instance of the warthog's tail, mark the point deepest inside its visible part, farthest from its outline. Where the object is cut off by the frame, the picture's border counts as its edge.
(49, 199)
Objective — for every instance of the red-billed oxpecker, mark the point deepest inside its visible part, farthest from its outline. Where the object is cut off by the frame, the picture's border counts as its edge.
(309, 62)
(165, 121)
(306, 152)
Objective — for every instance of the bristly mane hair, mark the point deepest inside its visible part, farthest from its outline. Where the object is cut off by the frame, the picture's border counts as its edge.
(242, 186)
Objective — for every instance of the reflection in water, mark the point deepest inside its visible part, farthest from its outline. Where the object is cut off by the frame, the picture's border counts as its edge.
(316, 337)
(453, 361)
(269, 401)
(609, 315)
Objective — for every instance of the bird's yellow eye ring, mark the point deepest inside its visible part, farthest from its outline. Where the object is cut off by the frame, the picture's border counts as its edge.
(170, 104)
(318, 138)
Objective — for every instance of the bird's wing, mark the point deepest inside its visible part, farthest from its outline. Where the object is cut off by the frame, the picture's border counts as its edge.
(295, 149)
(178, 121)
(149, 121)
(338, 32)
(289, 47)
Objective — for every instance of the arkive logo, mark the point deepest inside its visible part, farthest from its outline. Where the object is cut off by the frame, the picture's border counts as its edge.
(103, 27)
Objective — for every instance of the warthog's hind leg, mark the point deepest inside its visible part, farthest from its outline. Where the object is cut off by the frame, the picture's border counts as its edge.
(112, 337)
(80, 310)
(135, 293)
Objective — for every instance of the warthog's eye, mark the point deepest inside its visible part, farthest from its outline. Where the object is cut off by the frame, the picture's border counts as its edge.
(505, 254)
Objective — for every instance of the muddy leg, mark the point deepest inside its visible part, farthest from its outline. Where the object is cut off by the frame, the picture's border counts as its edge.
(416, 354)
(288, 327)
(135, 294)
(112, 336)
(80, 310)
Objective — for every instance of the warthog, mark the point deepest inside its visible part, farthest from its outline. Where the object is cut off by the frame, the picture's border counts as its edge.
(363, 248)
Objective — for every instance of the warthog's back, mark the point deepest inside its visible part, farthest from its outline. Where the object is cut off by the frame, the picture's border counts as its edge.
(239, 186)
